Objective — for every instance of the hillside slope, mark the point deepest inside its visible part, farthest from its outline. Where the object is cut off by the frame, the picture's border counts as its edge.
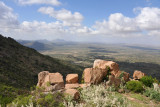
(19, 65)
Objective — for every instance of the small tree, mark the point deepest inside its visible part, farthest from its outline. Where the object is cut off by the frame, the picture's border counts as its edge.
(147, 81)
(135, 86)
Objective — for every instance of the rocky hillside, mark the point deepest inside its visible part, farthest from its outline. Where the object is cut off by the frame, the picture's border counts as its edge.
(19, 65)
(103, 85)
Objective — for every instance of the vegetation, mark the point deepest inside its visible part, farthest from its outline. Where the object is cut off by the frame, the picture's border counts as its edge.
(134, 86)
(20, 65)
(98, 96)
(152, 94)
(39, 99)
(7, 94)
(147, 81)
(129, 59)
(93, 96)
(27, 63)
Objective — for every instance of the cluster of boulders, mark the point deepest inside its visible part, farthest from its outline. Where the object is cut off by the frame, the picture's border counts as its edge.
(52, 82)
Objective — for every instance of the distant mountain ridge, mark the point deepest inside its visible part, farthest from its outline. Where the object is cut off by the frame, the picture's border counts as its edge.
(42, 45)
(19, 65)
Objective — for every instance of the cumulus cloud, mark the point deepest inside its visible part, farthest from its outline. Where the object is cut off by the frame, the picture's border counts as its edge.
(7, 17)
(147, 19)
(63, 15)
(117, 23)
(68, 24)
(48, 2)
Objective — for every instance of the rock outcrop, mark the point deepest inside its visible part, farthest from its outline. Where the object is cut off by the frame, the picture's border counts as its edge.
(93, 75)
(55, 78)
(53, 82)
(113, 66)
(138, 74)
(73, 92)
(43, 78)
(72, 78)
(72, 86)
(113, 81)
(50, 81)
(124, 75)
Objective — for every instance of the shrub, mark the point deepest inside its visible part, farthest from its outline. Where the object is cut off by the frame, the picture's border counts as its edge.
(22, 100)
(134, 86)
(121, 75)
(152, 94)
(108, 73)
(39, 100)
(98, 96)
(82, 79)
(7, 94)
(147, 81)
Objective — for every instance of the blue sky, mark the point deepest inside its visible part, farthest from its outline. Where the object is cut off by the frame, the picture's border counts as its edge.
(122, 21)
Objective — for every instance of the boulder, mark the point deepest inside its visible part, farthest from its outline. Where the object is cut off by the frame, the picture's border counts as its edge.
(93, 75)
(121, 90)
(50, 81)
(156, 87)
(84, 85)
(54, 87)
(43, 78)
(55, 78)
(113, 81)
(71, 86)
(138, 75)
(72, 78)
(73, 92)
(114, 67)
(121, 74)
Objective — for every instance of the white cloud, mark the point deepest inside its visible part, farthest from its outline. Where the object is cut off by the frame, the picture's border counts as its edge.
(146, 24)
(48, 2)
(117, 25)
(7, 17)
(63, 15)
(149, 18)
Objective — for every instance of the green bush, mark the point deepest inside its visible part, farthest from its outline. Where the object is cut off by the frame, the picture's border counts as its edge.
(22, 100)
(147, 81)
(134, 86)
(7, 94)
(151, 93)
(108, 73)
(40, 100)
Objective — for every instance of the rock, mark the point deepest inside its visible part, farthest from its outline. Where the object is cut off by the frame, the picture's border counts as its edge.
(73, 92)
(121, 74)
(156, 87)
(130, 79)
(54, 92)
(54, 87)
(93, 75)
(138, 75)
(113, 81)
(114, 67)
(50, 81)
(126, 91)
(71, 86)
(72, 78)
(55, 78)
(43, 78)
(84, 85)
(121, 90)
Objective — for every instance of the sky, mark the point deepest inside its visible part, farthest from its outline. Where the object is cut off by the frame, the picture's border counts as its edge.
(103, 21)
